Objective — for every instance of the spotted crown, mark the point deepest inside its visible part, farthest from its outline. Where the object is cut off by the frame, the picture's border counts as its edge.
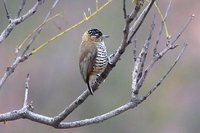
(95, 32)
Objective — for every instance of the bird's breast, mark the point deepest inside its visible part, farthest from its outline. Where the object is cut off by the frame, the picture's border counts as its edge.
(101, 58)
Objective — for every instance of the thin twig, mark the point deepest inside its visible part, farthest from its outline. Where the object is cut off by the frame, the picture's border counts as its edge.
(161, 29)
(170, 45)
(40, 29)
(9, 71)
(7, 13)
(26, 91)
(23, 57)
(138, 24)
(183, 29)
(124, 9)
(146, 48)
(165, 75)
(134, 50)
(22, 4)
(139, 64)
(153, 61)
(57, 120)
(60, 117)
(103, 75)
(6, 32)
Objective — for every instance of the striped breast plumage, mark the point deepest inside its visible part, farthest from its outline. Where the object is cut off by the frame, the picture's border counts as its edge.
(101, 58)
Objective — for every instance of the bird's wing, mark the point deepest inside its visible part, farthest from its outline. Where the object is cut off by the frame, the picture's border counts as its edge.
(87, 59)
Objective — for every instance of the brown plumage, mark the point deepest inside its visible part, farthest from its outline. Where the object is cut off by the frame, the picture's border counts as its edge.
(93, 55)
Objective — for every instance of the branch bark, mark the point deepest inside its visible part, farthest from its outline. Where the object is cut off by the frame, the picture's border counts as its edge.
(138, 75)
(23, 56)
(14, 22)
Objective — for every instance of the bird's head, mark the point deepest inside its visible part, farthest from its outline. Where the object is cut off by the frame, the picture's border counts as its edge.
(94, 36)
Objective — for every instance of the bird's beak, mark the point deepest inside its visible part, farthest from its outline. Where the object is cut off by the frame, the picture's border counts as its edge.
(105, 36)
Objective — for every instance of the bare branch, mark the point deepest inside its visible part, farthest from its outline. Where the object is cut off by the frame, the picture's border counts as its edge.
(10, 116)
(27, 114)
(22, 4)
(161, 29)
(139, 64)
(153, 61)
(183, 29)
(165, 75)
(7, 13)
(124, 9)
(100, 118)
(134, 50)
(9, 71)
(169, 45)
(109, 67)
(16, 21)
(139, 22)
(24, 57)
(138, 75)
(41, 27)
(26, 91)
(60, 117)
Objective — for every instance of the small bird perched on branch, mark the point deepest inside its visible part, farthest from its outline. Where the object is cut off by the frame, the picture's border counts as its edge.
(93, 56)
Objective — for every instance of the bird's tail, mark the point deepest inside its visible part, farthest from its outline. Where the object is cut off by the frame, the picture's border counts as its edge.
(89, 88)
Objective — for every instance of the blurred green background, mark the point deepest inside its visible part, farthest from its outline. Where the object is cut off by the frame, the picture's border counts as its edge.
(56, 82)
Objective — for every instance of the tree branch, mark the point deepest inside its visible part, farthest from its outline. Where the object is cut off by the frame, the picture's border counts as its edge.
(109, 67)
(26, 91)
(99, 118)
(7, 13)
(22, 4)
(23, 57)
(18, 20)
(124, 9)
(139, 64)
(161, 29)
(165, 75)
(138, 75)
(169, 46)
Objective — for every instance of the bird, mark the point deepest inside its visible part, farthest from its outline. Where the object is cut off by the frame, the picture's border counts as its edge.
(92, 56)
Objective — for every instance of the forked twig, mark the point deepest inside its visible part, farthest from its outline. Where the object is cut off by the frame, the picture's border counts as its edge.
(165, 75)
(161, 29)
(14, 22)
(139, 75)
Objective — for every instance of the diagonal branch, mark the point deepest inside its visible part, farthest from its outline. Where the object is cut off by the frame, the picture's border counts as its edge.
(100, 118)
(165, 75)
(169, 45)
(41, 27)
(22, 4)
(24, 57)
(124, 9)
(109, 67)
(140, 20)
(14, 22)
(9, 71)
(183, 29)
(161, 29)
(6, 9)
(60, 117)
(134, 50)
(26, 111)
(139, 63)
